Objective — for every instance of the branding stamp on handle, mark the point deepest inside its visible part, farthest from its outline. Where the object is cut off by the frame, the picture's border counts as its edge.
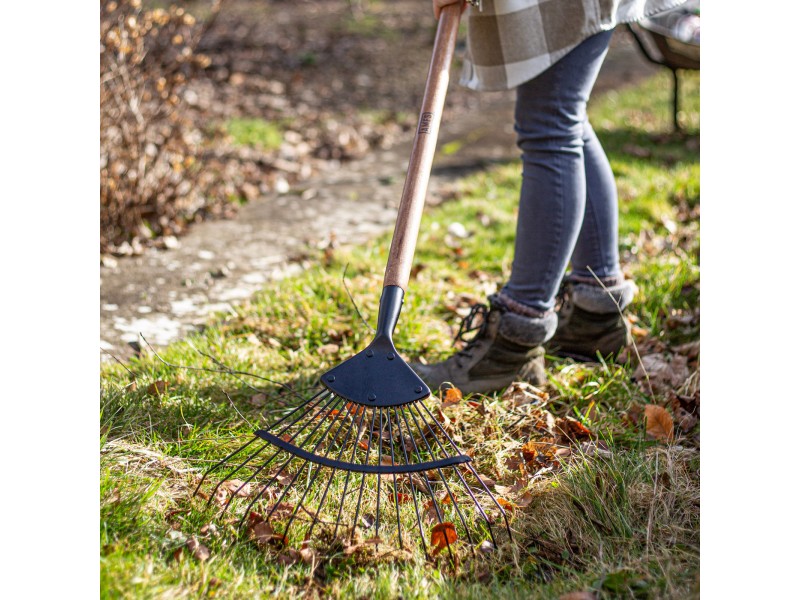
(425, 122)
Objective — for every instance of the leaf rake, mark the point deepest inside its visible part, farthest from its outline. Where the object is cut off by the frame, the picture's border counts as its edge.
(365, 453)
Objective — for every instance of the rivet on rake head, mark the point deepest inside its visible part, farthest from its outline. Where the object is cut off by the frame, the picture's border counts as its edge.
(371, 397)
(331, 377)
(370, 354)
(390, 356)
(418, 389)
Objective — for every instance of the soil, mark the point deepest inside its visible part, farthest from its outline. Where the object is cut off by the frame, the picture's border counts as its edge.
(316, 63)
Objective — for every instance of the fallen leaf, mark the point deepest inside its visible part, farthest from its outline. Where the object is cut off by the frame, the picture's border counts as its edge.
(263, 532)
(197, 549)
(663, 371)
(487, 481)
(442, 535)
(237, 484)
(431, 515)
(521, 393)
(221, 495)
(289, 557)
(572, 429)
(368, 520)
(539, 451)
(524, 500)
(507, 506)
(658, 422)
(308, 555)
(258, 400)
(157, 388)
(399, 497)
(451, 396)
(328, 349)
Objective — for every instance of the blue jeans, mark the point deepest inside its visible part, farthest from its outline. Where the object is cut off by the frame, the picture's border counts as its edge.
(568, 199)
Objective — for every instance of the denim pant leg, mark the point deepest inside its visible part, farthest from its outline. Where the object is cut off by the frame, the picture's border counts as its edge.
(596, 252)
(552, 134)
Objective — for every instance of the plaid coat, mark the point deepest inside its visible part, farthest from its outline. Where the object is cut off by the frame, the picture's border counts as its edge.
(511, 41)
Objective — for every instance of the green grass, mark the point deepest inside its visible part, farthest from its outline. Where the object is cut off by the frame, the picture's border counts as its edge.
(619, 516)
(258, 133)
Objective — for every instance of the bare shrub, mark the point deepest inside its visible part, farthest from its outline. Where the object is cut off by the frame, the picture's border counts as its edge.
(151, 184)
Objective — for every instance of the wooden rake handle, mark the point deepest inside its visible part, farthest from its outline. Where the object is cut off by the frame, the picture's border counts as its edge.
(409, 214)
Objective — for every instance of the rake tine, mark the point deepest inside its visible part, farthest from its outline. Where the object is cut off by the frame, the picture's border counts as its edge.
(413, 495)
(304, 463)
(316, 471)
(394, 479)
(477, 505)
(220, 463)
(441, 474)
(347, 477)
(475, 473)
(363, 476)
(236, 470)
(263, 466)
(439, 512)
(380, 447)
(330, 479)
(313, 403)
(253, 476)
(227, 458)
(497, 504)
(283, 466)
(439, 425)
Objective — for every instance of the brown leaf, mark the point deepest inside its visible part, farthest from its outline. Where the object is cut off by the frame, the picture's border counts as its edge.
(197, 549)
(506, 490)
(507, 506)
(479, 406)
(234, 484)
(258, 400)
(572, 429)
(487, 481)
(430, 514)
(284, 509)
(308, 555)
(289, 557)
(524, 500)
(263, 532)
(442, 535)
(451, 396)
(520, 393)
(658, 422)
(157, 388)
(662, 371)
(539, 451)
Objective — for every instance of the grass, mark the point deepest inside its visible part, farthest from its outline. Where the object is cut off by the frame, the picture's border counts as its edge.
(258, 133)
(616, 513)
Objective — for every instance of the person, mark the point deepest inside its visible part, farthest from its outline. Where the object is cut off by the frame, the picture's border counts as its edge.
(551, 52)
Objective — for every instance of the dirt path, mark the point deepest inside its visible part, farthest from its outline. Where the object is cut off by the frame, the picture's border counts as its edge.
(166, 294)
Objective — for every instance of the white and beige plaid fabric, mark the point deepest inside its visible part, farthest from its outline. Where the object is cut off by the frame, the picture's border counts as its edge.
(512, 41)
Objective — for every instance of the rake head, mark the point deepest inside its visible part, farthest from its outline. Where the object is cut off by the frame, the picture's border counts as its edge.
(363, 459)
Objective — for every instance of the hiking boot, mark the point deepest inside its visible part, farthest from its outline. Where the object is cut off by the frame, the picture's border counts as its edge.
(506, 347)
(591, 320)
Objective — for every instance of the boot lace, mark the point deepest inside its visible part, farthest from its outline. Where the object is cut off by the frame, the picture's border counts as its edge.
(476, 320)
